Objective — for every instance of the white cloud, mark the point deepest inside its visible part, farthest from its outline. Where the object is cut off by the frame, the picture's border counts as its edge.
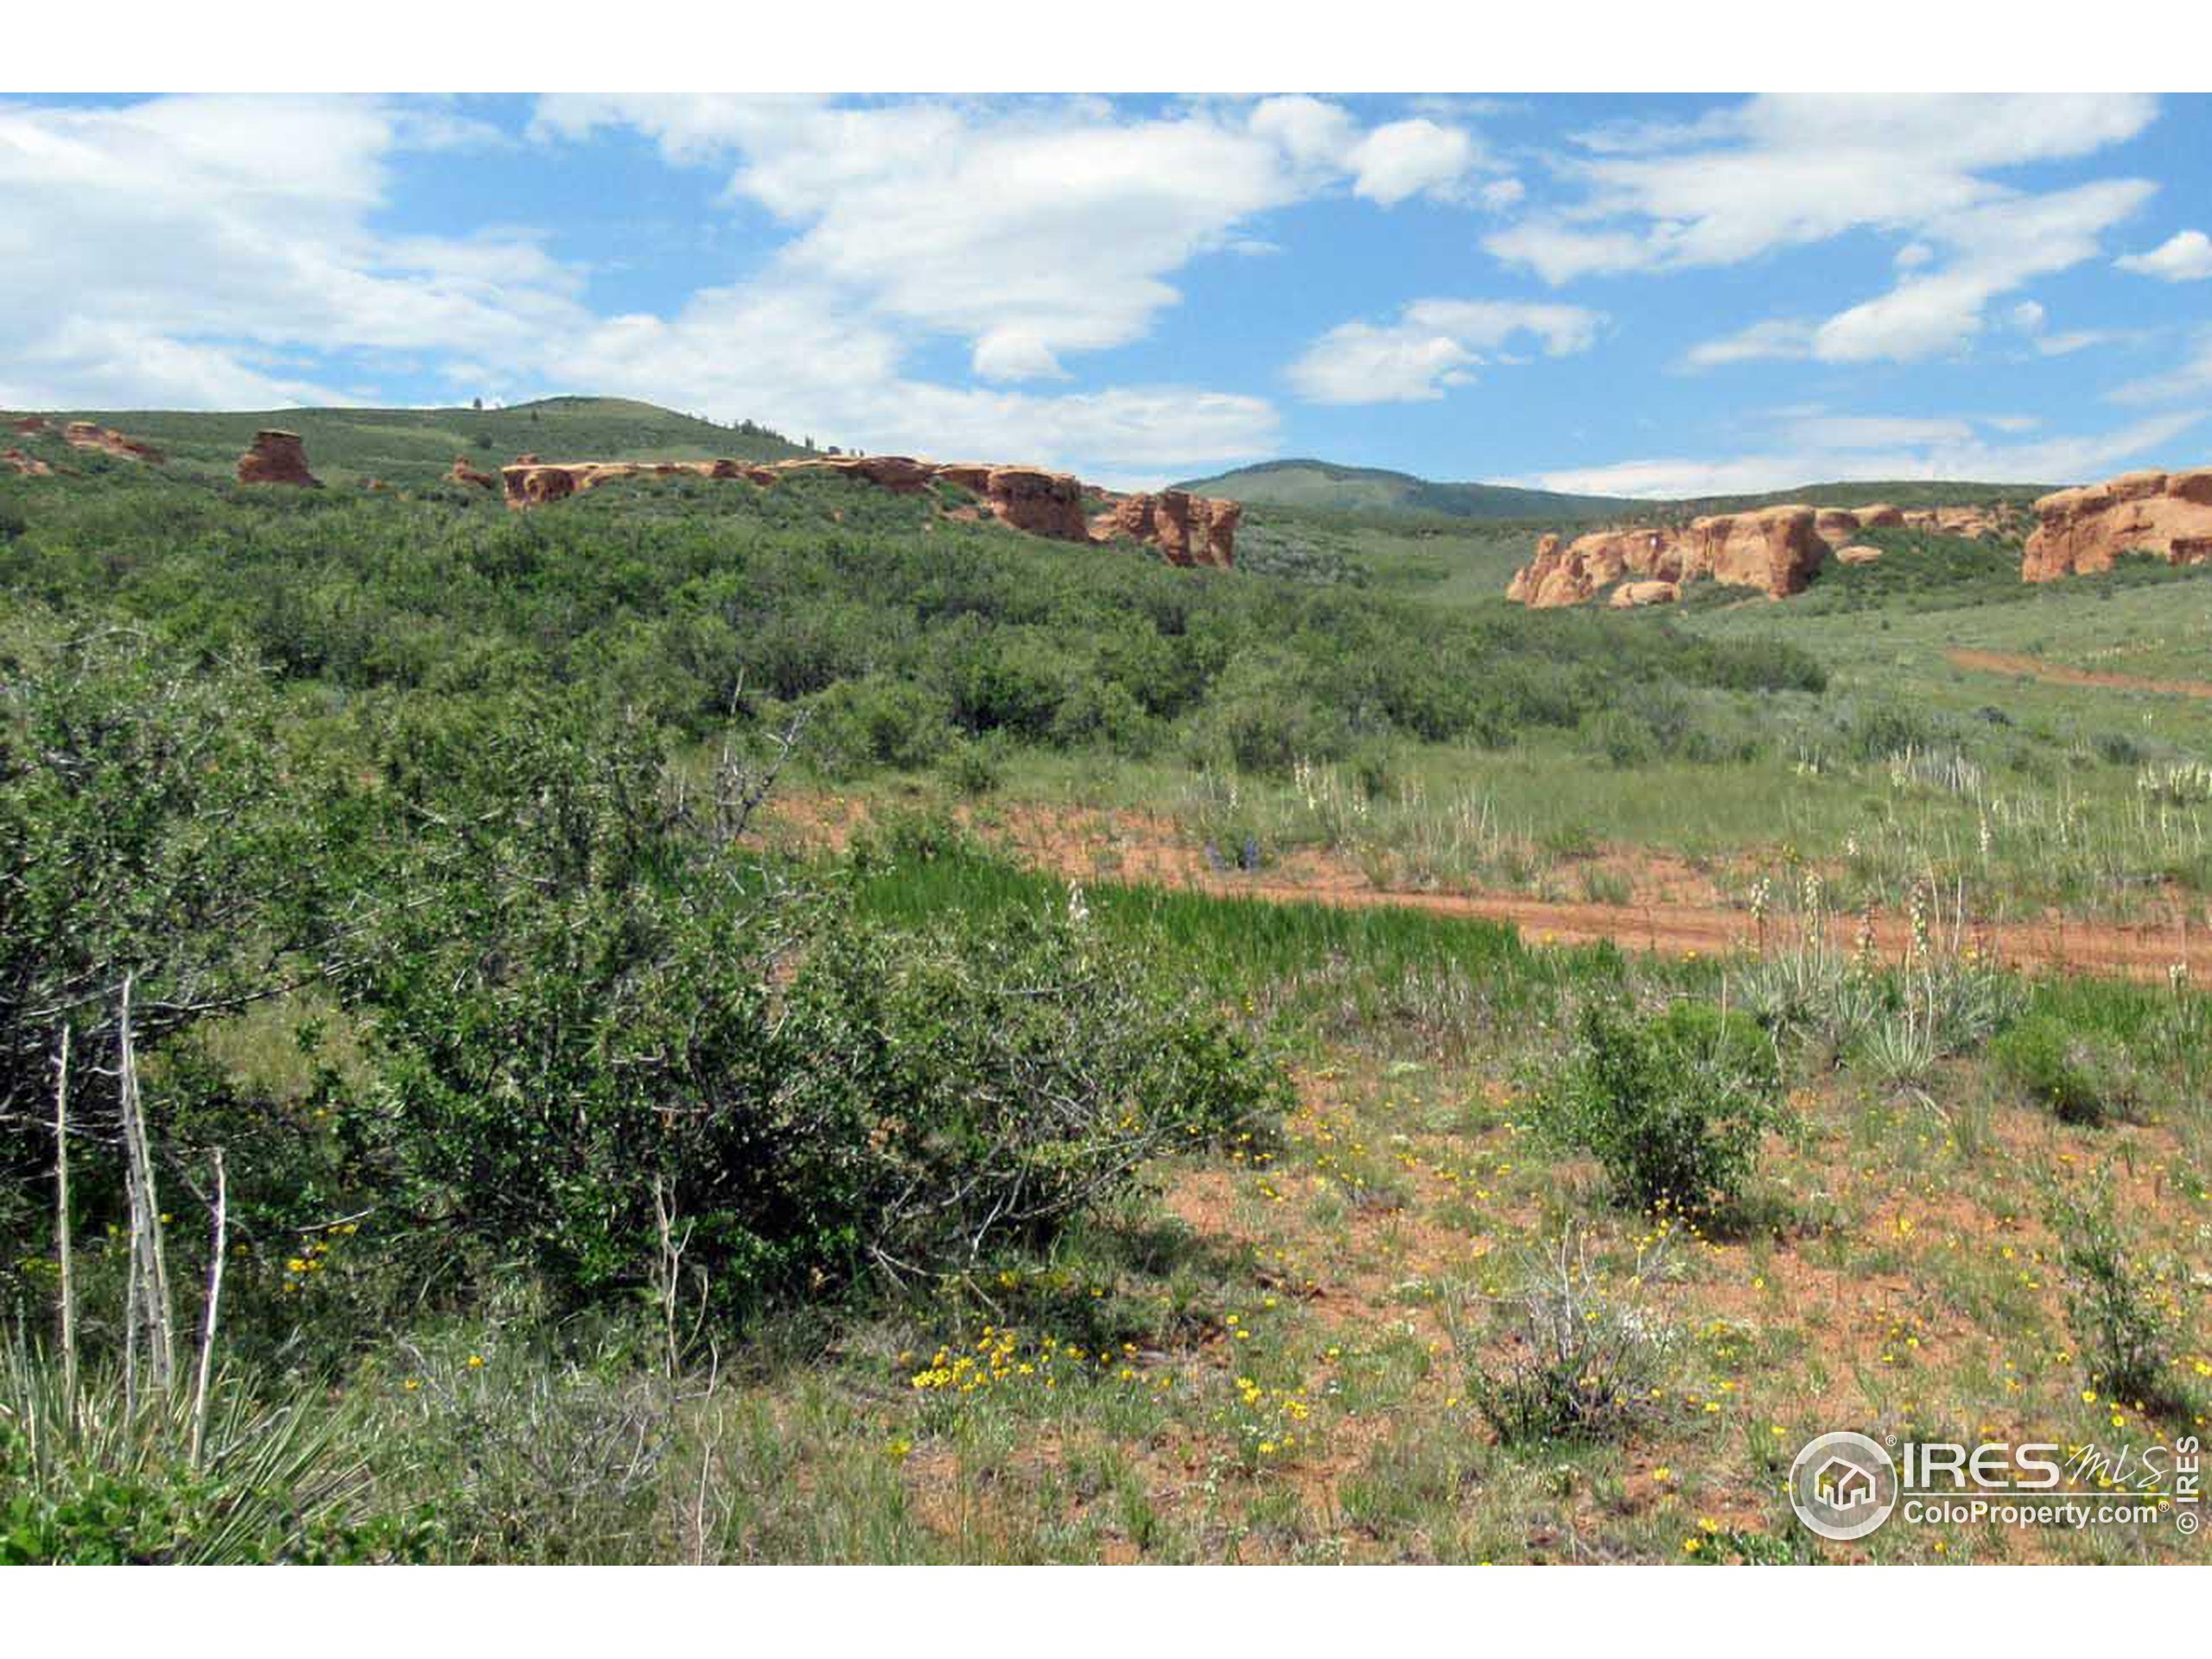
(2192, 377)
(1434, 345)
(1408, 158)
(1777, 337)
(1836, 449)
(1030, 229)
(1776, 173)
(1995, 248)
(2028, 317)
(825, 372)
(206, 252)
(189, 251)
(2072, 340)
(2184, 257)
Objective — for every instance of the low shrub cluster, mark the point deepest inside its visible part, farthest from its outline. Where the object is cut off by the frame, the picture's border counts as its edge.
(1673, 1106)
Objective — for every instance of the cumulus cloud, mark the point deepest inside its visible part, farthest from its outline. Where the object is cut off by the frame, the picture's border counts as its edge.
(1406, 158)
(1031, 230)
(2184, 257)
(823, 370)
(1821, 448)
(1434, 345)
(207, 252)
(1780, 172)
(194, 252)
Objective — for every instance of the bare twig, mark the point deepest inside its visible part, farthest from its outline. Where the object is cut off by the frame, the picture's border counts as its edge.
(150, 1270)
(61, 1240)
(207, 1325)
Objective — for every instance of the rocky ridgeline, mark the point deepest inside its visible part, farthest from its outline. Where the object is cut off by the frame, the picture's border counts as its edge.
(1774, 550)
(1188, 529)
(84, 434)
(2079, 532)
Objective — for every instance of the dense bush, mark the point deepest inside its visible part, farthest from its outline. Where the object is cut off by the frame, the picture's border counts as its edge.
(686, 599)
(2079, 1076)
(1672, 1107)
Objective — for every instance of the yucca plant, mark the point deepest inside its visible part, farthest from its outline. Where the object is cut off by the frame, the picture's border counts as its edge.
(88, 1477)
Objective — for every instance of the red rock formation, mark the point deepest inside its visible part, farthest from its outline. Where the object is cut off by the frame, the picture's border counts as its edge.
(1039, 502)
(1576, 573)
(276, 458)
(900, 472)
(90, 434)
(31, 426)
(1835, 525)
(462, 473)
(1775, 549)
(1630, 594)
(2079, 532)
(29, 466)
(974, 475)
(531, 482)
(1973, 523)
(1187, 529)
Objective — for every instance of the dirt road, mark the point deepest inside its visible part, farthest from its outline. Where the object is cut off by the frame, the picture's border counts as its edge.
(1089, 846)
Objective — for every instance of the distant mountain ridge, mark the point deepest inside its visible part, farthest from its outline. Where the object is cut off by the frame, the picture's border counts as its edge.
(1377, 492)
(1330, 487)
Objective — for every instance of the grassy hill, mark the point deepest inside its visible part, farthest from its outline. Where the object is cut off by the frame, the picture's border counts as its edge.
(407, 446)
(1321, 484)
(1898, 492)
(1370, 493)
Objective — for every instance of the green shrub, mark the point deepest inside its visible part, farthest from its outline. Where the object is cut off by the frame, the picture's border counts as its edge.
(598, 1019)
(2079, 1076)
(1672, 1107)
(2124, 1312)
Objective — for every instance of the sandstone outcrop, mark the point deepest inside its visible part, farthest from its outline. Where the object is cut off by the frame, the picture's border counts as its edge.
(29, 466)
(1188, 529)
(462, 473)
(2079, 532)
(276, 457)
(1974, 523)
(90, 434)
(1037, 502)
(1630, 594)
(902, 474)
(30, 426)
(1775, 549)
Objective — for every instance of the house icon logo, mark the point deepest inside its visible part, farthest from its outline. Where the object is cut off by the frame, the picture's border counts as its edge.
(1843, 1485)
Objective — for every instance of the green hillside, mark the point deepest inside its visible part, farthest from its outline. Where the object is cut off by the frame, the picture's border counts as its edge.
(1898, 492)
(1369, 492)
(1321, 484)
(410, 446)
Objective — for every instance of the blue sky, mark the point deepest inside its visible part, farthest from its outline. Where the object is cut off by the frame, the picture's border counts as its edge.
(1631, 295)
